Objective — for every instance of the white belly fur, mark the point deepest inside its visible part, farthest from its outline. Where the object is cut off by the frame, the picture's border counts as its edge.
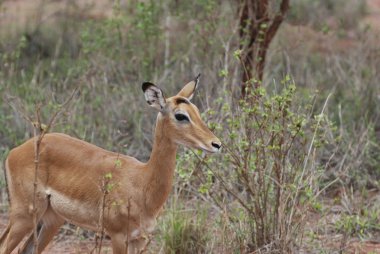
(76, 211)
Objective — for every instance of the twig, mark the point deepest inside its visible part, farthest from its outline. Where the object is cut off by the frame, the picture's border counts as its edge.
(241, 202)
(105, 190)
(307, 160)
(39, 131)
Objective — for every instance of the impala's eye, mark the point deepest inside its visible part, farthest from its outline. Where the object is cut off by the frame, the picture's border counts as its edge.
(181, 117)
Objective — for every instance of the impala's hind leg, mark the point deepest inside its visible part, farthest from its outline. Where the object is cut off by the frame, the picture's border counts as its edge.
(21, 222)
(50, 224)
(4, 235)
(18, 229)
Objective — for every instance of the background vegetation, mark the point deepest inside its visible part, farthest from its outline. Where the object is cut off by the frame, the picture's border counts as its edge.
(300, 168)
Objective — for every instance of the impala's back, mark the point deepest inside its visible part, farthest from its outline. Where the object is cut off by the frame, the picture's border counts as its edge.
(70, 185)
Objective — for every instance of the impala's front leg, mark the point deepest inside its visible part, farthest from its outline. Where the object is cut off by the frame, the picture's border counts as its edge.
(136, 246)
(119, 244)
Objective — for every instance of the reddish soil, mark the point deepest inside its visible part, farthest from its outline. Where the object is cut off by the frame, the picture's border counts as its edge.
(69, 241)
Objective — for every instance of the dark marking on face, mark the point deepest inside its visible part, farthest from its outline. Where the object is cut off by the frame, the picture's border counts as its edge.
(181, 100)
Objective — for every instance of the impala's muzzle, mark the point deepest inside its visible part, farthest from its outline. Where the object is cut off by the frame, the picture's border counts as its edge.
(217, 145)
(214, 147)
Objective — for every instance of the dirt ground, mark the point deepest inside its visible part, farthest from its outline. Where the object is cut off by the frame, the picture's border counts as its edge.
(68, 241)
(72, 241)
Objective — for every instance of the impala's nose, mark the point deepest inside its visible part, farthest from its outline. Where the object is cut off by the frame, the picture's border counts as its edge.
(216, 144)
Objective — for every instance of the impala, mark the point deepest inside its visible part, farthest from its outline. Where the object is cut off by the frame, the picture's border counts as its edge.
(71, 172)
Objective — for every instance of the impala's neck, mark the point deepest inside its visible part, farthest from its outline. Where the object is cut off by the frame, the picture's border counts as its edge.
(161, 167)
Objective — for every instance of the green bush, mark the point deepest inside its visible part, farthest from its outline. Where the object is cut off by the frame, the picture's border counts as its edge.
(267, 179)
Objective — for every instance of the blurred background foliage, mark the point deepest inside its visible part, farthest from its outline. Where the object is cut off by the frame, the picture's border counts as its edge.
(326, 54)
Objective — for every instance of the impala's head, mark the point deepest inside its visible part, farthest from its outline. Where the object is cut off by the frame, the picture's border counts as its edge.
(180, 118)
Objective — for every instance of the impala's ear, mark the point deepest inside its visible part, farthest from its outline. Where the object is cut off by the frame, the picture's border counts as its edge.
(189, 89)
(154, 96)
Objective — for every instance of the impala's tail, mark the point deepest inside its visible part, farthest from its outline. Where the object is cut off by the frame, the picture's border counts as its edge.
(5, 169)
(6, 230)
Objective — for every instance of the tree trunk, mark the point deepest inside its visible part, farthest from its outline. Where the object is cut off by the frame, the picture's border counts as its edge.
(257, 29)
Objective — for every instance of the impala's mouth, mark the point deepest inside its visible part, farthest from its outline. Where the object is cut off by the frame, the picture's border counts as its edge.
(215, 147)
(212, 149)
